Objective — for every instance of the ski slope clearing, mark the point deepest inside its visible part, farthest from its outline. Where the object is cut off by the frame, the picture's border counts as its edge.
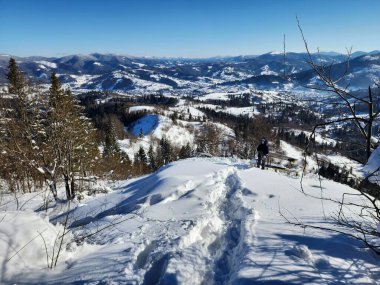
(140, 108)
(159, 126)
(203, 221)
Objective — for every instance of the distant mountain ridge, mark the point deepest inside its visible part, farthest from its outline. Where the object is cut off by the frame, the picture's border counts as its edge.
(143, 74)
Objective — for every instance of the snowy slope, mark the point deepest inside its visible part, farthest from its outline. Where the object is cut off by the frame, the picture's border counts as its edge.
(206, 221)
(159, 126)
(372, 168)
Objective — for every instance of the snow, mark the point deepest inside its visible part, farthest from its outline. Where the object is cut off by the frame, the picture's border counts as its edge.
(266, 71)
(184, 109)
(318, 137)
(47, 63)
(97, 63)
(23, 238)
(216, 96)
(140, 108)
(370, 57)
(137, 82)
(371, 169)
(200, 221)
(155, 127)
(298, 154)
(146, 124)
(139, 64)
(82, 79)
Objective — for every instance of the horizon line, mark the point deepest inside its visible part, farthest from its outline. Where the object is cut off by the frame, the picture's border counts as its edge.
(274, 52)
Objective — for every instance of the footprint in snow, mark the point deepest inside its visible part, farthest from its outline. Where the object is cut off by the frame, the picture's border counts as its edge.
(248, 192)
(301, 252)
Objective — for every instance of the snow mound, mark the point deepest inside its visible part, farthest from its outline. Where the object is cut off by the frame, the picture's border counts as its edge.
(26, 239)
(372, 167)
(301, 251)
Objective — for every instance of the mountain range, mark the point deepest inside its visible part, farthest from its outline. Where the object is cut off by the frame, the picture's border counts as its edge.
(141, 74)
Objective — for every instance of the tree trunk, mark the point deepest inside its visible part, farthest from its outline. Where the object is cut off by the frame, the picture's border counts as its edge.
(67, 186)
(72, 188)
(370, 122)
(53, 189)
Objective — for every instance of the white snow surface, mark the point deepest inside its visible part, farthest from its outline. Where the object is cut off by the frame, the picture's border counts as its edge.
(217, 96)
(196, 221)
(140, 108)
(266, 71)
(371, 169)
(155, 127)
(47, 63)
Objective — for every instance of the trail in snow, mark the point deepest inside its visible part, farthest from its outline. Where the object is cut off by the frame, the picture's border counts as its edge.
(206, 221)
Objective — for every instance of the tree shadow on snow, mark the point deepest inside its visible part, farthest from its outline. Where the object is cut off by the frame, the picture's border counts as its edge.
(336, 246)
(139, 194)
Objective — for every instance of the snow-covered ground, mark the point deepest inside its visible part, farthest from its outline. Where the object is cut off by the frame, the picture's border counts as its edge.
(140, 108)
(161, 126)
(195, 221)
(372, 168)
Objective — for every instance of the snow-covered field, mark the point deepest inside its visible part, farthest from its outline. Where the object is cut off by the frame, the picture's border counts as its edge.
(195, 221)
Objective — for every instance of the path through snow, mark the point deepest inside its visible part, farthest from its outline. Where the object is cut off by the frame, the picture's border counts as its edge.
(207, 221)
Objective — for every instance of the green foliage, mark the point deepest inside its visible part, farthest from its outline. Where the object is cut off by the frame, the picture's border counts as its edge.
(111, 147)
(17, 84)
(185, 151)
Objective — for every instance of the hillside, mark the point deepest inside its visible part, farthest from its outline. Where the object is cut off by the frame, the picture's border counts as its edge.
(195, 221)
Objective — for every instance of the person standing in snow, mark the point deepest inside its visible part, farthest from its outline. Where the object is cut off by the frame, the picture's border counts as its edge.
(262, 153)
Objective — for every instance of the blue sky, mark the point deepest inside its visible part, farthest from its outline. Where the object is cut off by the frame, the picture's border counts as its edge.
(188, 28)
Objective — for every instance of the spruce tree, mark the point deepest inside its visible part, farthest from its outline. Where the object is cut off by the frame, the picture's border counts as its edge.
(166, 151)
(23, 142)
(142, 156)
(152, 158)
(111, 146)
(185, 151)
(70, 136)
(16, 80)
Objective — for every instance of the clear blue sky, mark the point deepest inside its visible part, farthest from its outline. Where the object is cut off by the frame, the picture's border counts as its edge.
(189, 28)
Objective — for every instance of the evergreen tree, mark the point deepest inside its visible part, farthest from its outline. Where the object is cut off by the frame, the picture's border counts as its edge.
(23, 142)
(111, 146)
(185, 151)
(152, 158)
(141, 161)
(141, 156)
(166, 151)
(70, 136)
(16, 80)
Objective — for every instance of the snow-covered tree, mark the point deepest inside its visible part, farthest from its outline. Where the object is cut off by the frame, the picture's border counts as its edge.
(70, 136)
(111, 147)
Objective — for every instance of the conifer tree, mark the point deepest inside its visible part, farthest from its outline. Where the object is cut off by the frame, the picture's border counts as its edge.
(185, 151)
(16, 80)
(152, 158)
(70, 136)
(111, 147)
(25, 133)
(142, 156)
(141, 161)
(166, 151)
